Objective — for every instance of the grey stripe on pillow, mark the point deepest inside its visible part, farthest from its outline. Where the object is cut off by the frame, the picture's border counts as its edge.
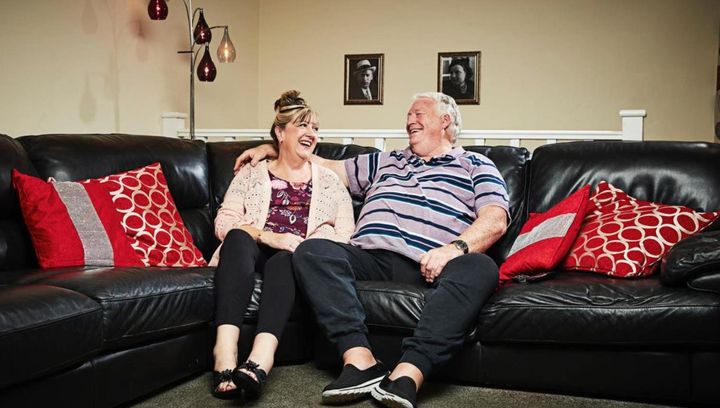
(555, 227)
(94, 239)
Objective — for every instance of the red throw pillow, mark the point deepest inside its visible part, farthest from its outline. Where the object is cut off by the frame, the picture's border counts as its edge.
(545, 238)
(625, 237)
(73, 224)
(151, 219)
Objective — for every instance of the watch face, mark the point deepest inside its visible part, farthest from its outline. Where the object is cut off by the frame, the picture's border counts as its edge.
(461, 245)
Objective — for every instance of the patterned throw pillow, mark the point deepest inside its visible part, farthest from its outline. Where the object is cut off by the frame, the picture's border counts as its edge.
(545, 238)
(625, 237)
(73, 224)
(151, 219)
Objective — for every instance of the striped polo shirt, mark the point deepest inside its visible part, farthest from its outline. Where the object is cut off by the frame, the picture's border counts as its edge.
(412, 205)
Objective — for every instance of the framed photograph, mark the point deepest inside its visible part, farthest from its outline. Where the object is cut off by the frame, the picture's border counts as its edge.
(459, 76)
(364, 79)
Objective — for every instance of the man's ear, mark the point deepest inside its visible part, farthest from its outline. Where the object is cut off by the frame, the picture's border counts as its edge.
(446, 121)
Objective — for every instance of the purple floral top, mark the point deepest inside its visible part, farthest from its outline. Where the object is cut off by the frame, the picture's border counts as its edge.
(289, 206)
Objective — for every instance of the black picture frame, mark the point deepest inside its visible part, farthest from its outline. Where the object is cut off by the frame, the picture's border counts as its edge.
(467, 62)
(363, 64)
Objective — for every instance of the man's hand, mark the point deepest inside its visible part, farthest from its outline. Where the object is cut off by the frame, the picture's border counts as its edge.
(285, 241)
(254, 155)
(433, 261)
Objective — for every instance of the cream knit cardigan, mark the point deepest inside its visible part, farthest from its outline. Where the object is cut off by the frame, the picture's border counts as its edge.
(247, 202)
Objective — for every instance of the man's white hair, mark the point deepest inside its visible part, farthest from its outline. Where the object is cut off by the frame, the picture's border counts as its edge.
(445, 104)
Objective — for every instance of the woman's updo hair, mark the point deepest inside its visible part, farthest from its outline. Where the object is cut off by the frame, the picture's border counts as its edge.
(290, 107)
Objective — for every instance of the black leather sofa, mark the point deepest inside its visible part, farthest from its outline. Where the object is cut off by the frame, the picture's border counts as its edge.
(105, 336)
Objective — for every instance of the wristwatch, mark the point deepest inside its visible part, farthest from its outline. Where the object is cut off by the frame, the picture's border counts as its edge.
(461, 245)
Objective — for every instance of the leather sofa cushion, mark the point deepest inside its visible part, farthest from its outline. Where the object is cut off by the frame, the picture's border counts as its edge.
(43, 329)
(391, 305)
(690, 258)
(706, 283)
(395, 306)
(141, 304)
(582, 308)
(16, 250)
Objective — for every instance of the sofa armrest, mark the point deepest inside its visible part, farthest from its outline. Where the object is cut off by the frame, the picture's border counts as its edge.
(694, 258)
(706, 283)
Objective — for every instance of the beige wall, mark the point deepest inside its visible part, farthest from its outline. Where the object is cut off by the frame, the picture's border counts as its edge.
(103, 66)
(552, 64)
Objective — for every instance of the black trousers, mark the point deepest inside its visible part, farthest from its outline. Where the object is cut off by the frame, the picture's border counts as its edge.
(240, 258)
(326, 272)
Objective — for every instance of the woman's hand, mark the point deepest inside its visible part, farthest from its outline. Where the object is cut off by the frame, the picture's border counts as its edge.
(254, 155)
(285, 241)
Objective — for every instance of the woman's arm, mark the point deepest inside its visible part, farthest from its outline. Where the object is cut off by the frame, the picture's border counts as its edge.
(232, 210)
(342, 227)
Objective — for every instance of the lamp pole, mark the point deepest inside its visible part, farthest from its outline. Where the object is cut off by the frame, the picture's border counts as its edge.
(158, 10)
(190, 16)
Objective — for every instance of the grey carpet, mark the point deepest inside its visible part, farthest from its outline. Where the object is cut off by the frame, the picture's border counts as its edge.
(300, 386)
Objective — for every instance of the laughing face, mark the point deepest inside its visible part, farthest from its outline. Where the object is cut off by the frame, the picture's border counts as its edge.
(298, 138)
(425, 128)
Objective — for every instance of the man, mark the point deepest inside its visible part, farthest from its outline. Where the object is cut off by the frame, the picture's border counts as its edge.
(430, 211)
(363, 75)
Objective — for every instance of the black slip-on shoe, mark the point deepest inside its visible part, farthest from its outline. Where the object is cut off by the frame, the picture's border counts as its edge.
(398, 393)
(353, 384)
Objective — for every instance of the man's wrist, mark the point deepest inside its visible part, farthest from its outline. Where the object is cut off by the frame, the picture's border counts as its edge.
(460, 245)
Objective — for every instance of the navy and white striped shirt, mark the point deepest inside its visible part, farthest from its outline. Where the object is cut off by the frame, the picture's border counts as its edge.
(412, 206)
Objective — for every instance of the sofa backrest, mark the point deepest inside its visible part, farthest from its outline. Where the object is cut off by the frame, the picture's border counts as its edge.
(184, 163)
(674, 173)
(16, 250)
(512, 163)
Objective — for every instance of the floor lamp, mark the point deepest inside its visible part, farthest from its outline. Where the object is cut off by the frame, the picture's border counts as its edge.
(201, 35)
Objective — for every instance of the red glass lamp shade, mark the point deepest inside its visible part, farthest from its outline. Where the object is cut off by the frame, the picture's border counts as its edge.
(202, 32)
(206, 70)
(157, 10)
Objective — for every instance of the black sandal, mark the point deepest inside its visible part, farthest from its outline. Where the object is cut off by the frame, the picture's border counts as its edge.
(252, 387)
(220, 377)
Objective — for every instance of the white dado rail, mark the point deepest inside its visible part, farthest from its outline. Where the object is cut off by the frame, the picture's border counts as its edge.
(631, 129)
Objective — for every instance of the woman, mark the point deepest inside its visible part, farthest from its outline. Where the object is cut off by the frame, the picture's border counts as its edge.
(460, 85)
(267, 211)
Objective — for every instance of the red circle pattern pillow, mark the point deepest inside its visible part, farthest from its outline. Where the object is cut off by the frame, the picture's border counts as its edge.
(625, 237)
(151, 219)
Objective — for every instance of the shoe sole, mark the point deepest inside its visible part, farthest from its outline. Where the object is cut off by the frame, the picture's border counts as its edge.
(348, 394)
(390, 400)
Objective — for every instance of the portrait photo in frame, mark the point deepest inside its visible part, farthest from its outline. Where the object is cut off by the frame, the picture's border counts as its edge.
(459, 76)
(363, 79)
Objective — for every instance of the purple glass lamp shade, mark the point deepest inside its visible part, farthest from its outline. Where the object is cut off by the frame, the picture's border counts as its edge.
(206, 70)
(202, 33)
(157, 10)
